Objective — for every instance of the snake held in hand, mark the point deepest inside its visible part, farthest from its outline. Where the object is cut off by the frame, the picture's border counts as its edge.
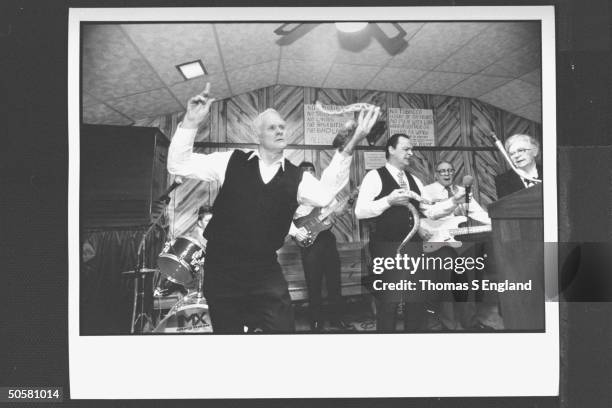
(355, 107)
(413, 230)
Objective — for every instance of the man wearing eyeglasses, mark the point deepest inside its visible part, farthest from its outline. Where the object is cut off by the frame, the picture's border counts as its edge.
(523, 151)
(443, 190)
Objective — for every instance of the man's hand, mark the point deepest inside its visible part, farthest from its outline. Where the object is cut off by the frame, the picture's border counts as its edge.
(425, 233)
(367, 119)
(197, 109)
(398, 196)
(302, 235)
(459, 197)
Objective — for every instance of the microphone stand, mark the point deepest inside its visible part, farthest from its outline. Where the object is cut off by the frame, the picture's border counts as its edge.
(139, 274)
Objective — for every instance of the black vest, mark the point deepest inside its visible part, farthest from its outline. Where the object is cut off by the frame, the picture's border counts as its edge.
(395, 223)
(250, 218)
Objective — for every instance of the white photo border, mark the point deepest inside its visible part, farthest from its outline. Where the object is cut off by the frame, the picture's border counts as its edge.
(315, 366)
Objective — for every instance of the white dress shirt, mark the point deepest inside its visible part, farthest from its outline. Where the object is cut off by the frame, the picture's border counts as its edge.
(367, 207)
(182, 161)
(437, 192)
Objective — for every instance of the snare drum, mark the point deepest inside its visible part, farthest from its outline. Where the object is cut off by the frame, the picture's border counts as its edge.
(180, 260)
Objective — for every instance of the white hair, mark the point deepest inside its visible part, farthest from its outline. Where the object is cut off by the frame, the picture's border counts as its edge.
(516, 137)
(258, 121)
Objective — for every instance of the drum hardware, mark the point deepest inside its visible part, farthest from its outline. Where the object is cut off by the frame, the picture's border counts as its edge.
(141, 318)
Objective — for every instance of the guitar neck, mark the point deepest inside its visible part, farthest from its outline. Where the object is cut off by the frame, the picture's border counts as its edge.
(469, 230)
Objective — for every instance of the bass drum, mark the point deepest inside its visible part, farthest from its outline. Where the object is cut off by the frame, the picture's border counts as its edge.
(189, 316)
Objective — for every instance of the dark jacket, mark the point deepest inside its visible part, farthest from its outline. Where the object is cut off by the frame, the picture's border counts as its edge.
(510, 182)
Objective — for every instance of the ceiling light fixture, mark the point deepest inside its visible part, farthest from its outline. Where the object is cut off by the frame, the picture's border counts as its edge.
(351, 27)
(192, 69)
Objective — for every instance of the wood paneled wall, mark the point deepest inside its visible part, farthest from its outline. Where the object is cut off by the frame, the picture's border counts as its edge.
(462, 126)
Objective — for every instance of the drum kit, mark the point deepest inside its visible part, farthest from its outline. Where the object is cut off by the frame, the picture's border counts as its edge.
(181, 262)
(181, 268)
(180, 271)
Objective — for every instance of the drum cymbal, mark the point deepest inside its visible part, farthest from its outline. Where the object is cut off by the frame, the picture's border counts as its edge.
(143, 270)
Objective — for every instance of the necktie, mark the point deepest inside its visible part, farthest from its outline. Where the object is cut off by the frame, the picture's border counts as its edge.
(401, 182)
(528, 183)
(449, 190)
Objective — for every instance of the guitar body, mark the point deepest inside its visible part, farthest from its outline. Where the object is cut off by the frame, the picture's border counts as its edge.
(312, 223)
(321, 219)
(444, 232)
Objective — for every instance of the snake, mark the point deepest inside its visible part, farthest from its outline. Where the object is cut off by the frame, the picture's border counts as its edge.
(355, 107)
(413, 230)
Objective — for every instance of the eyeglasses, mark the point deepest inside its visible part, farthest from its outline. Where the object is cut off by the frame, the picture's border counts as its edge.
(519, 151)
(446, 171)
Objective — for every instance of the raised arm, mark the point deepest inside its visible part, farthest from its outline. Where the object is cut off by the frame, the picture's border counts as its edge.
(320, 193)
(182, 161)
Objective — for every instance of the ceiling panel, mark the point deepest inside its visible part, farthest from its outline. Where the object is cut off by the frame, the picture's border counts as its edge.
(87, 99)
(493, 43)
(219, 88)
(167, 45)
(303, 73)
(436, 82)
(350, 76)
(533, 111)
(392, 79)
(320, 44)
(512, 95)
(435, 42)
(477, 85)
(132, 67)
(253, 77)
(244, 44)
(534, 77)
(517, 63)
(146, 104)
(112, 67)
(101, 114)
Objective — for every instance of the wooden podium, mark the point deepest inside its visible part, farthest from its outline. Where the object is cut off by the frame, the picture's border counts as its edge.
(518, 254)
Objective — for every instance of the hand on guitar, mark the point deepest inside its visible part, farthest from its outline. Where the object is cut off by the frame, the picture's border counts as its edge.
(302, 236)
(459, 197)
(425, 233)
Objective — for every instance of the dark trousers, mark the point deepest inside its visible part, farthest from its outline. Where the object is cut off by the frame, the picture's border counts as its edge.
(387, 302)
(321, 260)
(249, 294)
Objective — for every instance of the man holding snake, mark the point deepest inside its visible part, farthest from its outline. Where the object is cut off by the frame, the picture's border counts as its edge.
(260, 191)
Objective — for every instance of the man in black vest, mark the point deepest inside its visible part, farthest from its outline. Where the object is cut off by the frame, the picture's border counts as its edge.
(383, 196)
(260, 191)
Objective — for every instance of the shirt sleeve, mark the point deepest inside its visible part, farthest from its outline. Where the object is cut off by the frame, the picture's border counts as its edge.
(366, 205)
(319, 193)
(438, 209)
(477, 212)
(182, 161)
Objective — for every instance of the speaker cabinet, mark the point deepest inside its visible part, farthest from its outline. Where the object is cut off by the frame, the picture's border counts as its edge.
(123, 173)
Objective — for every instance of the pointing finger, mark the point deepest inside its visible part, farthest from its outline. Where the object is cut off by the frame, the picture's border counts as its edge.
(206, 90)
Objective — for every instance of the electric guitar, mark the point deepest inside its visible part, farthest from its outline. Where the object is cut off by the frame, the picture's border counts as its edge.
(321, 219)
(444, 232)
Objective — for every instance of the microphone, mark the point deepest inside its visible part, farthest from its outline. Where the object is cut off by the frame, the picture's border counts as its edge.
(166, 196)
(467, 184)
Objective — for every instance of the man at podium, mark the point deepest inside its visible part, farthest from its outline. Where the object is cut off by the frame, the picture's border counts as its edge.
(523, 151)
